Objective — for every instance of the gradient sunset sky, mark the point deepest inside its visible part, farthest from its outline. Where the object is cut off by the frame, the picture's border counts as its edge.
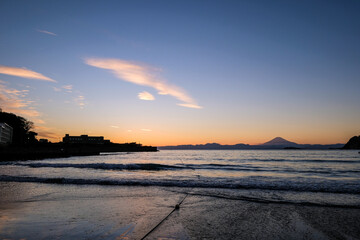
(183, 72)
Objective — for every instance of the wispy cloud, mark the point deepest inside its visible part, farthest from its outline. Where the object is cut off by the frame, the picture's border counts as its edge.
(24, 73)
(115, 126)
(67, 87)
(80, 101)
(45, 132)
(13, 100)
(189, 105)
(17, 102)
(141, 74)
(146, 96)
(46, 32)
(76, 96)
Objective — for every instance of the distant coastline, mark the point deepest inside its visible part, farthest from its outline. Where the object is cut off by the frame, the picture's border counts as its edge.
(276, 143)
(216, 146)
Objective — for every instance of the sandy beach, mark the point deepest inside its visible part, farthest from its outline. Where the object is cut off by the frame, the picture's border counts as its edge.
(52, 211)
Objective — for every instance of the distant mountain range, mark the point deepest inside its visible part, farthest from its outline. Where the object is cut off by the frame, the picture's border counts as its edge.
(276, 143)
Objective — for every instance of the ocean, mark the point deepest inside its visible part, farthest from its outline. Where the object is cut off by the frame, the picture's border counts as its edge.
(302, 177)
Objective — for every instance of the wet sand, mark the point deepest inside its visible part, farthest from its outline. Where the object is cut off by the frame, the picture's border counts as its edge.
(50, 211)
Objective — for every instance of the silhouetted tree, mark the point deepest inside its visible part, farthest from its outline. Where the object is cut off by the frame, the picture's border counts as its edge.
(21, 127)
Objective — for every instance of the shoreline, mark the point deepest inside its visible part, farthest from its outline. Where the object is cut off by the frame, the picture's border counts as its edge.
(57, 150)
(131, 212)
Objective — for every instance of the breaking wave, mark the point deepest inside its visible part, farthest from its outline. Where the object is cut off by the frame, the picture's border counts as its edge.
(263, 183)
(103, 166)
(159, 167)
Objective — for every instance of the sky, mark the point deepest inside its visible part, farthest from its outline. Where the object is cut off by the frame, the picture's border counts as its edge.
(183, 72)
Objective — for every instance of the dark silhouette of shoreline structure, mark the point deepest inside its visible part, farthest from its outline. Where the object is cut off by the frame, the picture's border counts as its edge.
(84, 139)
(98, 144)
(23, 144)
(41, 150)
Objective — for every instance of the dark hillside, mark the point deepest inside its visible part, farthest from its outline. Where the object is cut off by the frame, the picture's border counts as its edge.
(353, 143)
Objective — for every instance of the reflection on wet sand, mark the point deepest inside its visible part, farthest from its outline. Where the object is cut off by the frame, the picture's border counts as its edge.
(47, 211)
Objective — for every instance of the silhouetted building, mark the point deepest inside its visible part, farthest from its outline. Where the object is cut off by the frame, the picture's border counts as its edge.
(84, 139)
(6, 133)
(43, 140)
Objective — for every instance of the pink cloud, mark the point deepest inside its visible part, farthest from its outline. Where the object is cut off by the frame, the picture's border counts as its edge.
(24, 73)
(146, 96)
(13, 100)
(143, 75)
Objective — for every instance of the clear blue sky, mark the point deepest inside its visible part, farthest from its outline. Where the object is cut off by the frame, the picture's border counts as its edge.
(227, 71)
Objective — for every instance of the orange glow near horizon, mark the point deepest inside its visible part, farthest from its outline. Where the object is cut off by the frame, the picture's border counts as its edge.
(160, 139)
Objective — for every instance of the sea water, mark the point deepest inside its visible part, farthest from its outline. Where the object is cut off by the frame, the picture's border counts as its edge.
(309, 177)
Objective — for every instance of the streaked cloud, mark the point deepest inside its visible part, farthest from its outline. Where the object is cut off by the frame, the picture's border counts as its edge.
(46, 132)
(146, 96)
(189, 105)
(143, 75)
(80, 101)
(15, 101)
(46, 32)
(115, 126)
(24, 73)
(67, 87)
(76, 96)
(40, 121)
